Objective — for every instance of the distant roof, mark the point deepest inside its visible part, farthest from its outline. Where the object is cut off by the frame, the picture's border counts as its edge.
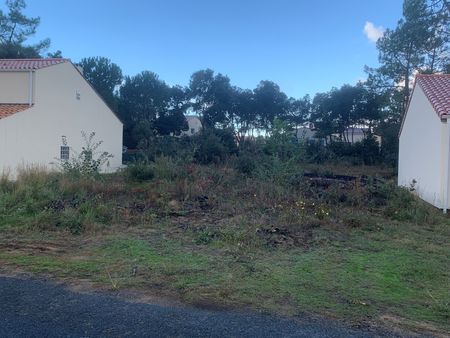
(437, 90)
(8, 109)
(29, 64)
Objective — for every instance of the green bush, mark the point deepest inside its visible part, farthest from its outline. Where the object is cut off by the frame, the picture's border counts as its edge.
(245, 164)
(89, 161)
(282, 143)
(317, 153)
(214, 146)
(166, 168)
(6, 185)
(140, 171)
(180, 148)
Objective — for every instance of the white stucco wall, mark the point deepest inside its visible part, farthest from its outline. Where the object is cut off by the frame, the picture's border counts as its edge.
(194, 124)
(421, 148)
(14, 87)
(34, 136)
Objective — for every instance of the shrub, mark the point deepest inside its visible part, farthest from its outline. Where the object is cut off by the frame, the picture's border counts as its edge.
(168, 146)
(166, 168)
(282, 142)
(245, 164)
(140, 171)
(227, 139)
(89, 161)
(317, 153)
(6, 185)
(370, 151)
(297, 180)
(214, 145)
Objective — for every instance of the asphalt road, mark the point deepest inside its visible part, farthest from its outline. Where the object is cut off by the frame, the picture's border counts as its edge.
(38, 308)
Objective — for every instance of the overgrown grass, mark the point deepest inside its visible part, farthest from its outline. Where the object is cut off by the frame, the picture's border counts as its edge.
(267, 238)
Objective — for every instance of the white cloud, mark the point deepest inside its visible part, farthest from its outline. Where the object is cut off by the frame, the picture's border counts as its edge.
(372, 32)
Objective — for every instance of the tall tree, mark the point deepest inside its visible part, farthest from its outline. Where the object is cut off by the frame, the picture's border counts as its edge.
(148, 106)
(419, 43)
(298, 111)
(212, 96)
(15, 29)
(270, 103)
(438, 44)
(322, 116)
(104, 76)
(143, 96)
(339, 111)
(244, 112)
(172, 120)
(402, 50)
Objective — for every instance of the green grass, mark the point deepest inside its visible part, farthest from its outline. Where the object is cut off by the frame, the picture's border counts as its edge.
(48, 264)
(253, 244)
(371, 278)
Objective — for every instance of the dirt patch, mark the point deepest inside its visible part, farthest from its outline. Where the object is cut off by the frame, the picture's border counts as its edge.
(286, 236)
(414, 327)
(25, 247)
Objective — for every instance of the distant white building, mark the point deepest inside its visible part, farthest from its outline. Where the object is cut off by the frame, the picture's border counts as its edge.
(306, 133)
(357, 134)
(45, 104)
(352, 135)
(194, 124)
(424, 145)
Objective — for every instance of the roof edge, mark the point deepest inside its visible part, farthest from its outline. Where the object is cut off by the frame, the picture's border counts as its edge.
(57, 60)
(96, 92)
(25, 107)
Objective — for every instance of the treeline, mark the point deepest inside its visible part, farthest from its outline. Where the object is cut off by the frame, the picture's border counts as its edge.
(149, 107)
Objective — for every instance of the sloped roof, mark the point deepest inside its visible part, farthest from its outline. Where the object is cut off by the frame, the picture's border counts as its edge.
(8, 109)
(437, 90)
(35, 64)
(29, 64)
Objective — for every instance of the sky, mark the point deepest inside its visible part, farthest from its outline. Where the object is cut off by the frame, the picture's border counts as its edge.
(304, 46)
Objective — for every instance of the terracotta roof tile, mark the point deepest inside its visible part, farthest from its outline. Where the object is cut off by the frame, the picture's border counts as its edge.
(437, 89)
(28, 64)
(7, 109)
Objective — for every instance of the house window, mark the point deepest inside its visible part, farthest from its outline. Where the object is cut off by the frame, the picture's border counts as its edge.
(65, 152)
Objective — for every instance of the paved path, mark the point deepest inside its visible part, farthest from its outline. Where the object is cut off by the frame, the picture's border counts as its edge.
(36, 308)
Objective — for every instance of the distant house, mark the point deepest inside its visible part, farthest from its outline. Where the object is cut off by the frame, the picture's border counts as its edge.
(307, 133)
(357, 134)
(424, 145)
(194, 124)
(45, 104)
(352, 135)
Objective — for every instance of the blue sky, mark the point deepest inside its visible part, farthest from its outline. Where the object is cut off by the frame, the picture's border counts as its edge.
(304, 46)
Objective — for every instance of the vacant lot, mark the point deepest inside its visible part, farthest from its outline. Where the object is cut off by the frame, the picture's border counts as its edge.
(281, 240)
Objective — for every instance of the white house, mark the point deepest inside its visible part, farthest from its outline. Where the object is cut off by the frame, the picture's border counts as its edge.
(424, 149)
(352, 134)
(358, 134)
(194, 124)
(45, 104)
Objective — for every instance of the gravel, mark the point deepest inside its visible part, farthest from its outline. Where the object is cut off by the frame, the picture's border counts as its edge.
(39, 308)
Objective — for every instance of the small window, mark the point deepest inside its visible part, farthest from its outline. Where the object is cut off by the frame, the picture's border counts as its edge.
(65, 152)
